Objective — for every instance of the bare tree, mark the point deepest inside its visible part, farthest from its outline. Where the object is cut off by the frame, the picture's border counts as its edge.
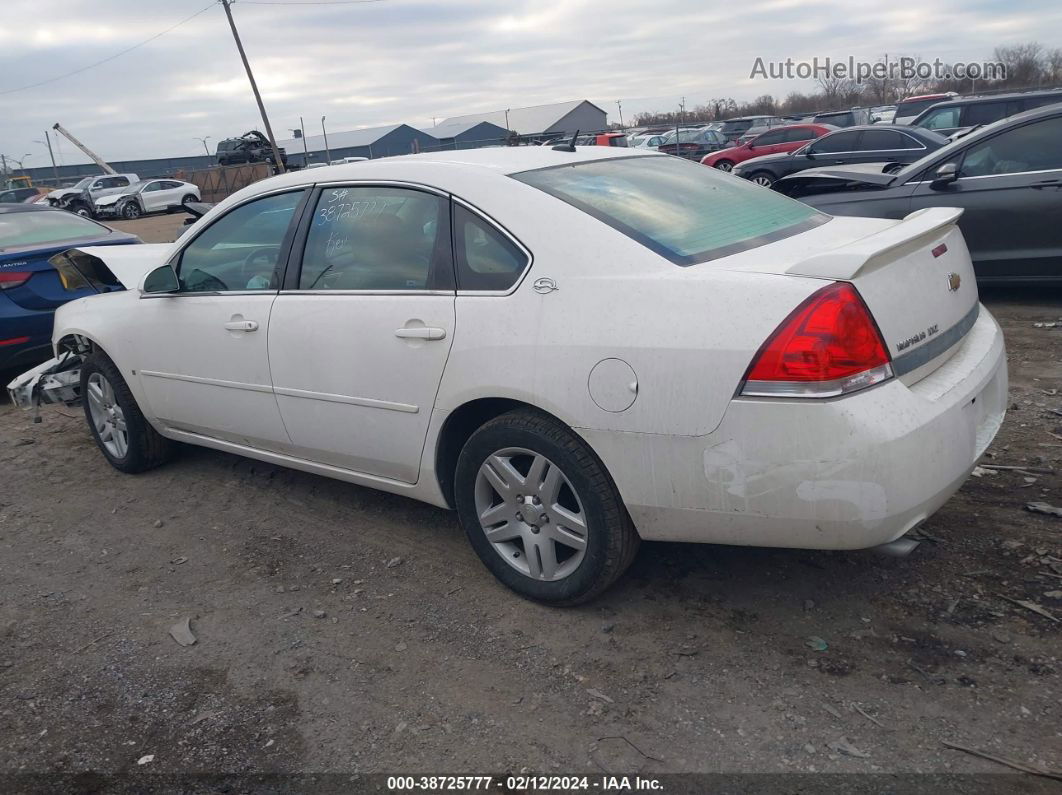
(1024, 62)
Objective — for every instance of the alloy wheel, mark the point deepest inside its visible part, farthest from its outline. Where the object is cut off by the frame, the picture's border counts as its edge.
(763, 179)
(107, 416)
(725, 166)
(531, 514)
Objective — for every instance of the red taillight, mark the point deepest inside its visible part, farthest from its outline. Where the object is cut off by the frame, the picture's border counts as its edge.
(11, 279)
(828, 346)
(14, 341)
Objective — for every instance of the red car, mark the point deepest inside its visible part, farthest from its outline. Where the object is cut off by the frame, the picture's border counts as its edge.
(777, 139)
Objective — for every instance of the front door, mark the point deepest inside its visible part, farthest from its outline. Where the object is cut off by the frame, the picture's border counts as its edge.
(203, 360)
(357, 346)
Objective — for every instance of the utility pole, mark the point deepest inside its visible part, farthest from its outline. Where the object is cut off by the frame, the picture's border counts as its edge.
(204, 140)
(55, 169)
(328, 152)
(305, 151)
(619, 104)
(277, 162)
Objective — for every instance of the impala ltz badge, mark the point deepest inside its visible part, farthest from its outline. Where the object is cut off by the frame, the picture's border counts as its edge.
(954, 280)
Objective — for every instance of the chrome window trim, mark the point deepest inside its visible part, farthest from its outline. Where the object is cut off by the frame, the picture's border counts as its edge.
(505, 233)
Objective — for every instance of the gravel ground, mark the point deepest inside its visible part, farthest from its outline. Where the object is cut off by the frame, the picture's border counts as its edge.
(344, 630)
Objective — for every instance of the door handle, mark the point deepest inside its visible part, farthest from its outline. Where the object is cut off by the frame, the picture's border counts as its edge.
(421, 333)
(242, 325)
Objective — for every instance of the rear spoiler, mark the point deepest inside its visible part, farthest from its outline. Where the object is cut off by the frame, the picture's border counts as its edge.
(867, 253)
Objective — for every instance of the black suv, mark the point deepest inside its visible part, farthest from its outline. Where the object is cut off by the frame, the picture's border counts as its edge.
(957, 114)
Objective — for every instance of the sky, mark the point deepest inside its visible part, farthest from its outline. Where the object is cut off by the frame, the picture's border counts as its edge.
(375, 63)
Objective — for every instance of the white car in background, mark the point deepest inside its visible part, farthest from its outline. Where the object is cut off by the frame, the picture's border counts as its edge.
(151, 196)
(96, 187)
(573, 349)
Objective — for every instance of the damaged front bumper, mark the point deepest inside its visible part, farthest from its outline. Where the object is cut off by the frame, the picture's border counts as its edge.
(58, 380)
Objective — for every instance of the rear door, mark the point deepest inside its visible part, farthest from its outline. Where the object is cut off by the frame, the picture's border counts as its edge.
(1010, 186)
(359, 337)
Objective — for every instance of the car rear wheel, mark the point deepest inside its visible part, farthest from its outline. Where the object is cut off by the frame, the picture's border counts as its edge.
(131, 210)
(122, 434)
(541, 511)
(724, 165)
(762, 178)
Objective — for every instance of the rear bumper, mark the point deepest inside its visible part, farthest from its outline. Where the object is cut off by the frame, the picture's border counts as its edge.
(847, 473)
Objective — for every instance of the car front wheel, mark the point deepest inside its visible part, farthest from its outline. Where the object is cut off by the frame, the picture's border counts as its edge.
(725, 165)
(762, 178)
(541, 511)
(122, 434)
(131, 210)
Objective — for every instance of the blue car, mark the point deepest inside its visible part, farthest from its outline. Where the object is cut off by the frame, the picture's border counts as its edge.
(30, 288)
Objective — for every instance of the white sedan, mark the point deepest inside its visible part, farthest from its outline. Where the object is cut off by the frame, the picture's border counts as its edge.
(151, 196)
(573, 349)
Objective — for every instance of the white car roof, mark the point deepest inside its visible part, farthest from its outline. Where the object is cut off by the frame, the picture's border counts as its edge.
(450, 170)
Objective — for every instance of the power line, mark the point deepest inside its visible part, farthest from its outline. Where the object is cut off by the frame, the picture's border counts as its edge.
(109, 58)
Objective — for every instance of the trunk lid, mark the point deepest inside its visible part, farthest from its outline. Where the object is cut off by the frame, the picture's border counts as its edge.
(914, 275)
(917, 279)
(44, 289)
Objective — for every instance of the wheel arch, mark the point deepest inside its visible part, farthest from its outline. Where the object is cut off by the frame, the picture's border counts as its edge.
(463, 421)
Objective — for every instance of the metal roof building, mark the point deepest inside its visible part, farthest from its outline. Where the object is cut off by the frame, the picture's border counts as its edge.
(468, 134)
(556, 119)
(394, 139)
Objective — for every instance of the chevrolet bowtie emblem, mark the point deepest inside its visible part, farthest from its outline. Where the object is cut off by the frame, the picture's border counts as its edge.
(954, 280)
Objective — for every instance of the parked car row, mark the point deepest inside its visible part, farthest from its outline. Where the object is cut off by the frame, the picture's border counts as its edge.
(121, 196)
(1006, 176)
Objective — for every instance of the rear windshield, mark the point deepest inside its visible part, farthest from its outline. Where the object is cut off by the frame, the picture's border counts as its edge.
(43, 227)
(679, 209)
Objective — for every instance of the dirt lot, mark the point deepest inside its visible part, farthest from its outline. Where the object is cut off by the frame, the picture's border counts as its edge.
(344, 630)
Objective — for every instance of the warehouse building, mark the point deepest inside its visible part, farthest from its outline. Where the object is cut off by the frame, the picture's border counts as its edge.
(394, 139)
(541, 121)
(469, 134)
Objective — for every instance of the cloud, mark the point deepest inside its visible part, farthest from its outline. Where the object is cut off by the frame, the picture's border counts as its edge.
(369, 64)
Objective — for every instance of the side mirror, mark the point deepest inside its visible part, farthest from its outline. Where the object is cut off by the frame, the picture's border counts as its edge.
(161, 280)
(809, 154)
(944, 176)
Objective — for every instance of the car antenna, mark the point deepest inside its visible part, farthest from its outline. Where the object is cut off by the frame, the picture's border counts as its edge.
(568, 147)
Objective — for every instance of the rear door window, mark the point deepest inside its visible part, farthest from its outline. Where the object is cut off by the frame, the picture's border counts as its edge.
(678, 209)
(836, 142)
(984, 113)
(881, 140)
(799, 134)
(378, 238)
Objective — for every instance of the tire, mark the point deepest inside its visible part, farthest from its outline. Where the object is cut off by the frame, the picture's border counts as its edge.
(108, 406)
(190, 197)
(539, 556)
(762, 178)
(131, 210)
(82, 210)
(724, 165)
